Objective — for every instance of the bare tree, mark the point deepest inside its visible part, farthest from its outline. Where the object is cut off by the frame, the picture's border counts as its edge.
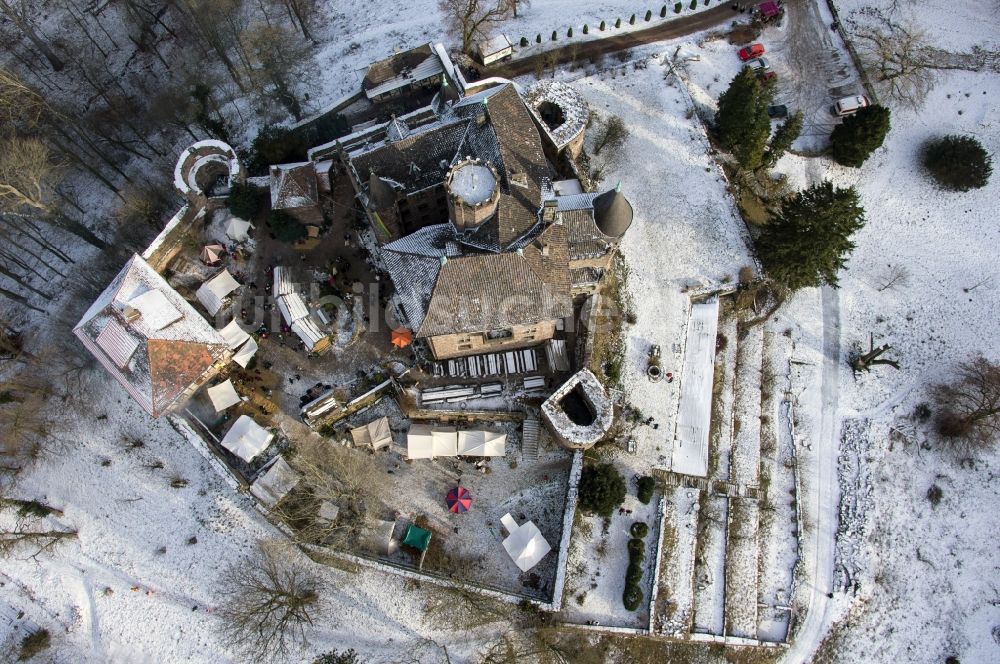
(26, 169)
(21, 13)
(898, 57)
(270, 597)
(969, 406)
(471, 19)
(892, 277)
(611, 134)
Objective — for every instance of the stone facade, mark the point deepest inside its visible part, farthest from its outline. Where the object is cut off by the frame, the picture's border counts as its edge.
(448, 346)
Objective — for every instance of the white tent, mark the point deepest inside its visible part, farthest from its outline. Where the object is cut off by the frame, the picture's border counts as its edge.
(445, 441)
(234, 335)
(275, 484)
(525, 544)
(223, 396)
(419, 442)
(292, 307)
(482, 443)
(245, 354)
(375, 434)
(214, 291)
(307, 330)
(236, 229)
(246, 439)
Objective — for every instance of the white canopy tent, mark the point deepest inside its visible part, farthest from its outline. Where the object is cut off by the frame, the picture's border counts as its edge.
(445, 441)
(525, 544)
(245, 354)
(419, 443)
(223, 396)
(234, 335)
(214, 291)
(310, 334)
(375, 434)
(236, 229)
(246, 439)
(482, 443)
(275, 484)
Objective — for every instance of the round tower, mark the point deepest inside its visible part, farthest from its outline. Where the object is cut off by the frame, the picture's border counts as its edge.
(473, 193)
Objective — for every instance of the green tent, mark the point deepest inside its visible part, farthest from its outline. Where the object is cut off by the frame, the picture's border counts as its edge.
(416, 537)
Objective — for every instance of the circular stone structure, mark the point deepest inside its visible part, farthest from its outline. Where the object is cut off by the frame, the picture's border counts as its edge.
(202, 166)
(473, 193)
(560, 112)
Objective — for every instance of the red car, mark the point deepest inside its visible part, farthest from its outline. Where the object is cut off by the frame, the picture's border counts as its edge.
(750, 52)
(767, 76)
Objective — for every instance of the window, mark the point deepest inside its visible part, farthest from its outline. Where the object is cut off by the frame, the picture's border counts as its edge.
(465, 346)
(499, 335)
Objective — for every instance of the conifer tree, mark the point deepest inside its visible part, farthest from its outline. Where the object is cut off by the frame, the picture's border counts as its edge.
(741, 121)
(958, 162)
(859, 135)
(810, 239)
(783, 139)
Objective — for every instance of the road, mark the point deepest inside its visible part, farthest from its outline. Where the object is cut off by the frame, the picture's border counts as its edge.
(717, 16)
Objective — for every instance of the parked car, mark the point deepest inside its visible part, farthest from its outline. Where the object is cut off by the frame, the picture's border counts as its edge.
(850, 105)
(750, 52)
(760, 64)
(777, 111)
(767, 76)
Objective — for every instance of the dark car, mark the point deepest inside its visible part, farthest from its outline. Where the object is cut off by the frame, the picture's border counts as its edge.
(777, 111)
(767, 76)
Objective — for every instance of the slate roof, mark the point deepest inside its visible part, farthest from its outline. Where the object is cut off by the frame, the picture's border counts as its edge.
(401, 69)
(293, 186)
(478, 293)
(154, 362)
(415, 160)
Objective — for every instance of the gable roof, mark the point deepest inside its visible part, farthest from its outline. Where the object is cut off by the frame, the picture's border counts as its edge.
(156, 356)
(399, 70)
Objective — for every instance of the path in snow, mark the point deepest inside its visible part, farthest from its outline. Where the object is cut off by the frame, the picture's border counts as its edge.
(824, 475)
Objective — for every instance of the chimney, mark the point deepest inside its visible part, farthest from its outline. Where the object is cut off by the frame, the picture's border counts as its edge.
(545, 249)
(550, 209)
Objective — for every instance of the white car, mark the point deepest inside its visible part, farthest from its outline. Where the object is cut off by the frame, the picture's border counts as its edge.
(850, 105)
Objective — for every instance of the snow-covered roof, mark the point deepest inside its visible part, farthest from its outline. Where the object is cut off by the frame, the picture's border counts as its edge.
(494, 44)
(246, 439)
(473, 183)
(155, 354)
(212, 293)
(572, 106)
(401, 70)
(293, 186)
(199, 155)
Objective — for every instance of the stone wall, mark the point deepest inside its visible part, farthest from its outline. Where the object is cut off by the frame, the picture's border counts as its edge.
(447, 346)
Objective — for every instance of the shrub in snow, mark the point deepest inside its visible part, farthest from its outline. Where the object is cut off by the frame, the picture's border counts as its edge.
(244, 200)
(967, 407)
(677, 8)
(285, 227)
(934, 495)
(603, 26)
(586, 29)
(631, 20)
(809, 240)
(957, 162)
(569, 33)
(633, 573)
(335, 657)
(639, 529)
(694, 4)
(524, 42)
(554, 35)
(632, 597)
(34, 643)
(646, 486)
(636, 548)
(663, 11)
(649, 14)
(618, 23)
(538, 38)
(859, 135)
(602, 489)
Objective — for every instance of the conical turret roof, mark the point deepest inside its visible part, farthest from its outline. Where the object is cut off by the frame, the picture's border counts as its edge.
(613, 212)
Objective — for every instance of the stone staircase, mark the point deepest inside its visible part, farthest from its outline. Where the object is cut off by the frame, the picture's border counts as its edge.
(717, 487)
(529, 439)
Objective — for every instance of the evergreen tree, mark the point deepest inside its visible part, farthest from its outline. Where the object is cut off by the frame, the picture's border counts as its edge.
(859, 135)
(603, 26)
(742, 123)
(663, 11)
(245, 200)
(958, 162)
(810, 239)
(649, 14)
(618, 22)
(601, 489)
(783, 139)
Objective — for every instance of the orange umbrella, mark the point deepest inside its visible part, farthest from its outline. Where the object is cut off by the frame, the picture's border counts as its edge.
(402, 337)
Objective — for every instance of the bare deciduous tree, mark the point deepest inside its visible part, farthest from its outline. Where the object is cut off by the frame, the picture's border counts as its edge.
(892, 277)
(611, 134)
(470, 19)
(969, 406)
(270, 597)
(898, 57)
(21, 13)
(26, 170)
